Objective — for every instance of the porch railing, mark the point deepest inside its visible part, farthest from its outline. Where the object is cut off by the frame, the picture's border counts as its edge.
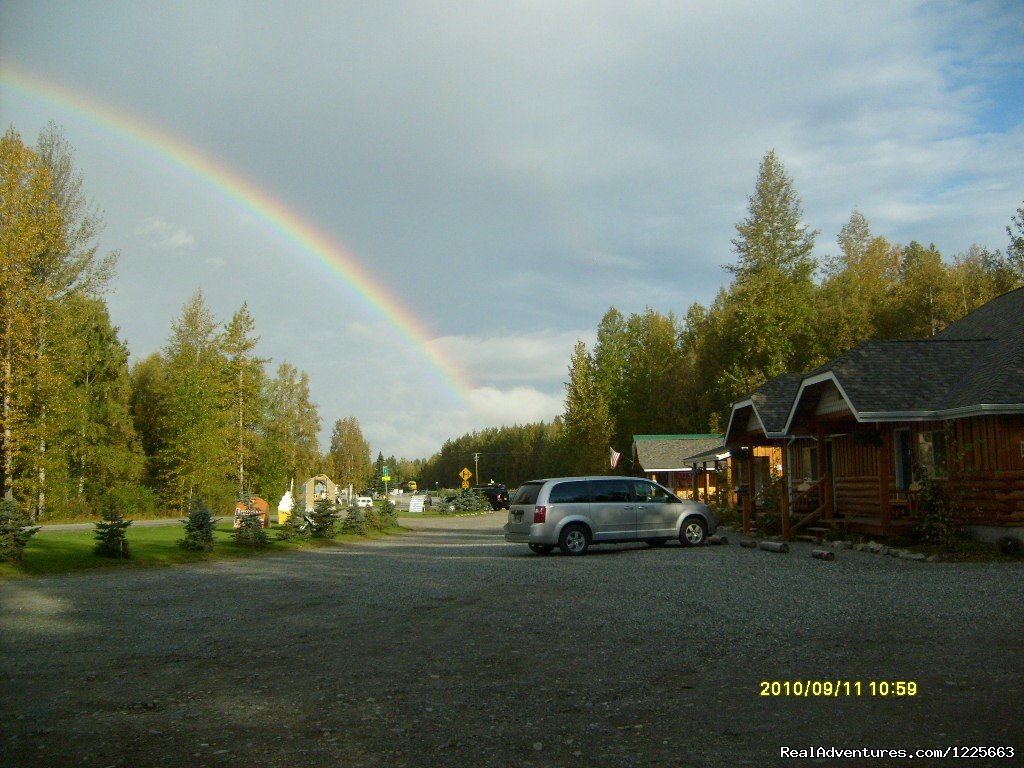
(810, 504)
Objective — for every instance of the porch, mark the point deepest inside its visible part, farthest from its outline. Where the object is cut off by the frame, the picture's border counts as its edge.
(811, 513)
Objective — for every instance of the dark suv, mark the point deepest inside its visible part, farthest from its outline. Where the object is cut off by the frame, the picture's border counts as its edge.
(497, 495)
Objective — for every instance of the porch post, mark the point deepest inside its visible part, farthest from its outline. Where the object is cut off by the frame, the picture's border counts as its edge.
(784, 493)
(748, 498)
(707, 489)
(885, 475)
(823, 475)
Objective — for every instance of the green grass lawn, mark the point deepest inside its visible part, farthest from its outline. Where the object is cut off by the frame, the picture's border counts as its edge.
(54, 552)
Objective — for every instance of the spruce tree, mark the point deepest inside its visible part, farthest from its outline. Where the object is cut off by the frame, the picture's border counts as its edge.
(250, 532)
(388, 515)
(771, 324)
(322, 520)
(354, 522)
(111, 531)
(15, 532)
(198, 526)
(470, 500)
(294, 528)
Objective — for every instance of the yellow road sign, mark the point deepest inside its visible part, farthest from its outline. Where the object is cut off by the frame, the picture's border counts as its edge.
(465, 474)
(465, 484)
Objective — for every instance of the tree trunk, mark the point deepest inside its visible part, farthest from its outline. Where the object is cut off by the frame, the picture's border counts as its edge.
(8, 476)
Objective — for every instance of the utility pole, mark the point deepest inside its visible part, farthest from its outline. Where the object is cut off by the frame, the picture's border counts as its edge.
(476, 466)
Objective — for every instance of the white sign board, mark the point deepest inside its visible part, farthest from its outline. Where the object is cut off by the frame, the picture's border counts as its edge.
(416, 504)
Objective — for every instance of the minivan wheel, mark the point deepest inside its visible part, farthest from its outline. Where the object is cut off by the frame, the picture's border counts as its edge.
(574, 540)
(693, 533)
(542, 549)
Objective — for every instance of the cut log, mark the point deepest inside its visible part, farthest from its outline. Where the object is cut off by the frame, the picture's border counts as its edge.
(775, 546)
(748, 544)
(822, 554)
(717, 540)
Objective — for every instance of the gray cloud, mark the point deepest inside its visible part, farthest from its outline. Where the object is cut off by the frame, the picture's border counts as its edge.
(508, 171)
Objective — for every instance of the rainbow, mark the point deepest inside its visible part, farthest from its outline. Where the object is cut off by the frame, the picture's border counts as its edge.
(273, 213)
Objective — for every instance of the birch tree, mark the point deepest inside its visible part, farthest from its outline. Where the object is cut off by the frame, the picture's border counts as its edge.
(348, 459)
(31, 232)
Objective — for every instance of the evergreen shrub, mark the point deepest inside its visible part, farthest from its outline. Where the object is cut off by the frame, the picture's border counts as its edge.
(388, 515)
(355, 521)
(198, 526)
(322, 520)
(15, 531)
(295, 527)
(250, 532)
(111, 532)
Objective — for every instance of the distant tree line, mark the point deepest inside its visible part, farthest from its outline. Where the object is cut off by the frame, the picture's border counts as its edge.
(203, 415)
(782, 311)
(77, 423)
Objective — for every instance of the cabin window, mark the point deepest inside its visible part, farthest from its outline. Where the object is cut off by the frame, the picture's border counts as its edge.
(931, 447)
(809, 462)
(903, 458)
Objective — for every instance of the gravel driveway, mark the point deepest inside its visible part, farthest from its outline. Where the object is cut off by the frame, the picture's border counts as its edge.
(448, 647)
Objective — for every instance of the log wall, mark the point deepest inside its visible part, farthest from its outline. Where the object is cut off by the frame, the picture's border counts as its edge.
(985, 469)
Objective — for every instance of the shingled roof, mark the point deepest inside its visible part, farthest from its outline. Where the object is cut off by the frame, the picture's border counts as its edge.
(976, 365)
(669, 453)
(772, 400)
(998, 377)
(904, 377)
(770, 404)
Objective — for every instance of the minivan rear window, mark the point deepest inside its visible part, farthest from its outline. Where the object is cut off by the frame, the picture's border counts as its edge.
(574, 492)
(527, 493)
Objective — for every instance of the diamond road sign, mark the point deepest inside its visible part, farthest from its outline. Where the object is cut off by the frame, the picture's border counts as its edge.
(465, 474)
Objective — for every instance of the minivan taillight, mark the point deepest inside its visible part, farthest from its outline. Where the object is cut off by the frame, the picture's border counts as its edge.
(540, 514)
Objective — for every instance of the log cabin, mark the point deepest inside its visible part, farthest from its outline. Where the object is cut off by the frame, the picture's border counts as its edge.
(665, 459)
(862, 431)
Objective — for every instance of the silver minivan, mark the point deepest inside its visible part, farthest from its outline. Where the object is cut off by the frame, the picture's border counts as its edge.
(572, 513)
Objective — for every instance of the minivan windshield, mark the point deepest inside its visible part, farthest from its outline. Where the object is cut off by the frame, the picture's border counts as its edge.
(527, 493)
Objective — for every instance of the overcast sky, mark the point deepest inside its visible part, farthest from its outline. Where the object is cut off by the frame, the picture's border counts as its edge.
(505, 171)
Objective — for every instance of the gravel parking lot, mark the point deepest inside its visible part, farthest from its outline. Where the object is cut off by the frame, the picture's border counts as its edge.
(447, 646)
